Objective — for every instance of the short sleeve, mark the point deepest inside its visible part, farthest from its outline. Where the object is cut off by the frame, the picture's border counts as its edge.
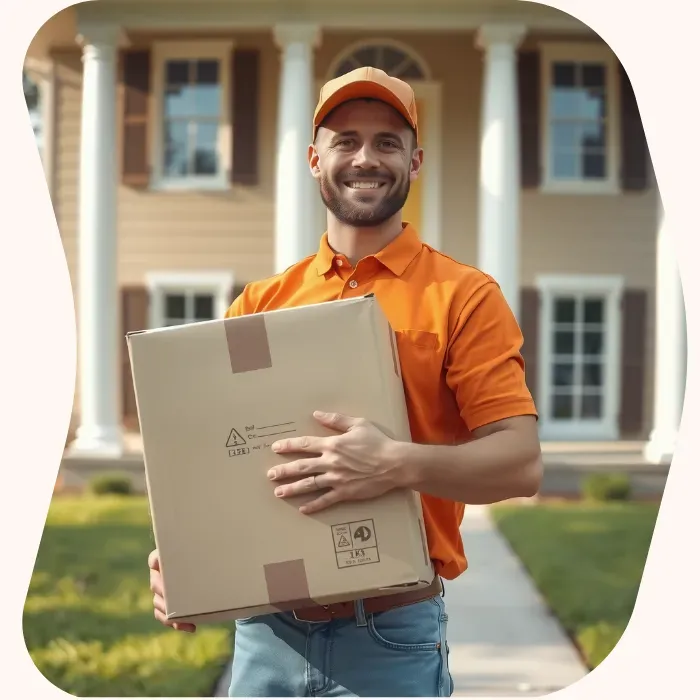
(484, 365)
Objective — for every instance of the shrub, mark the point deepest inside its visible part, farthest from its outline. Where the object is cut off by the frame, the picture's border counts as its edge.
(114, 483)
(607, 487)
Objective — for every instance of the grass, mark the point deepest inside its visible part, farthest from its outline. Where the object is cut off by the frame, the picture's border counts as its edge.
(88, 618)
(587, 561)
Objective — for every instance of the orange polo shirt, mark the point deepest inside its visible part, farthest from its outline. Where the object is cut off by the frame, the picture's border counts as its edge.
(458, 342)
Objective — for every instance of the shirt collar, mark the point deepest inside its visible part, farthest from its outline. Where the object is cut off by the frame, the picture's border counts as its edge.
(396, 256)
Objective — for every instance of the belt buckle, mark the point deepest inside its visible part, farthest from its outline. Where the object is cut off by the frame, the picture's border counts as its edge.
(310, 622)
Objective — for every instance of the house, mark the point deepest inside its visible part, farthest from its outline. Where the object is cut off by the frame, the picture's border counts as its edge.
(175, 138)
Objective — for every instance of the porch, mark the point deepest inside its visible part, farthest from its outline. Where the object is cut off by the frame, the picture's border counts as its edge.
(488, 158)
(566, 464)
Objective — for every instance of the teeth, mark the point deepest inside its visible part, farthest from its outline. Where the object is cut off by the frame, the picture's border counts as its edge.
(364, 185)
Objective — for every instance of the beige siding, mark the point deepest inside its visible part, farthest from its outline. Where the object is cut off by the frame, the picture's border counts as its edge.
(229, 230)
(68, 69)
(234, 230)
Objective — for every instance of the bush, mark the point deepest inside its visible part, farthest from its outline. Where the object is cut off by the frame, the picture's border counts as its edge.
(116, 483)
(607, 487)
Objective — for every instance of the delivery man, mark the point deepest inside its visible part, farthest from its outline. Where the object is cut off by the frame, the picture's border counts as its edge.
(472, 418)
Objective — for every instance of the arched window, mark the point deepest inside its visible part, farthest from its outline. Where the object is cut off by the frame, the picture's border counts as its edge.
(392, 59)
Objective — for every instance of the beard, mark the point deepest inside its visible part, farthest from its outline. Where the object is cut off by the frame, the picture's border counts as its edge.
(363, 214)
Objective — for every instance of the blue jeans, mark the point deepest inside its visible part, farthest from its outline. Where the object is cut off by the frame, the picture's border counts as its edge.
(401, 652)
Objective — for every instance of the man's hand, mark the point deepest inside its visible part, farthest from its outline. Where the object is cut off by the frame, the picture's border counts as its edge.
(158, 601)
(356, 464)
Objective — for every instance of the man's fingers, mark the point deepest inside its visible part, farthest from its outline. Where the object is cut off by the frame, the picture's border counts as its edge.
(184, 627)
(159, 614)
(296, 469)
(305, 443)
(159, 603)
(326, 500)
(153, 560)
(336, 421)
(301, 487)
(156, 583)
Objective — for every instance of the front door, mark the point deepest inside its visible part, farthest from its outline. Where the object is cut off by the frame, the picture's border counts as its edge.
(413, 209)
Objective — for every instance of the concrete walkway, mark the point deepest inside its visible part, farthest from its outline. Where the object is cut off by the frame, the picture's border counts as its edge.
(503, 640)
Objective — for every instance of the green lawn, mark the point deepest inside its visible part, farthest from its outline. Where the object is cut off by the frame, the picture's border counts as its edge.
(88, 619)
(586, 560)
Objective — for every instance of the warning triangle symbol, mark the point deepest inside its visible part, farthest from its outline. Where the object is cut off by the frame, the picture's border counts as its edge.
(343, 542)
(235, 439)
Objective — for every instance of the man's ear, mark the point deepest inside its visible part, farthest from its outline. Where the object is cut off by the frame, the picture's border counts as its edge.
(416, 163)
(313, 161)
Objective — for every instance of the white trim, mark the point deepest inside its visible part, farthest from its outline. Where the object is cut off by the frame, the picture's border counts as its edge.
(430, 230)
(610, 287)
(361, 44)
(167, 50)
(217, 283)
(581, 51)
(368, 16)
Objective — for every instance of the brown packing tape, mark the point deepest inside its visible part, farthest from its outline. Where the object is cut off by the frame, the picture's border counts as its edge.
(287, 585)
(248, 344)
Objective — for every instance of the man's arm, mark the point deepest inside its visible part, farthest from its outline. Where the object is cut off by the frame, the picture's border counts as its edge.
(485, 371)
(503, 461)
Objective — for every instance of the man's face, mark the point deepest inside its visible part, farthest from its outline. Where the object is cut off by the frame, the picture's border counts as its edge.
(364, 160)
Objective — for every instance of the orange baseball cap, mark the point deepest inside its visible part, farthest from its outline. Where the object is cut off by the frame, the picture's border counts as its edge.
(367, 82)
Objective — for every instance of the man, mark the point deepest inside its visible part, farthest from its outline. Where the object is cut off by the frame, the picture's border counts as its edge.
(473, 421)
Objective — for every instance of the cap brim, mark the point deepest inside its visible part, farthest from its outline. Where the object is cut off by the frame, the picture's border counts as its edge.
(358, 90)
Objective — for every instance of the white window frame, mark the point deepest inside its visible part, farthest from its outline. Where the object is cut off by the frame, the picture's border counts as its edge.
(552, 52)
(218, 284)
(611, 288)
(201, 50)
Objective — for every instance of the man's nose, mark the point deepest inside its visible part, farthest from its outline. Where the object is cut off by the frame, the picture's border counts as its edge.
(366, 157)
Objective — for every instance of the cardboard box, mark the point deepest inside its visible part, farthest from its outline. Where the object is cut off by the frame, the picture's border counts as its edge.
(212, 397)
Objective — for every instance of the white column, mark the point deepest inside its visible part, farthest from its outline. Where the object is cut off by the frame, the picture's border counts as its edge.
(99, 433)
(499, 169)
(296, 234)
(670, 356)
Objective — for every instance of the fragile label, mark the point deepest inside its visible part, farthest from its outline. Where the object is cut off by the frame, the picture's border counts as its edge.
(241, 441)
(355, 543)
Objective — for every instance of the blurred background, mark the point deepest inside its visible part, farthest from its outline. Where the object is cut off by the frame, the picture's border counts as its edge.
(168, 131)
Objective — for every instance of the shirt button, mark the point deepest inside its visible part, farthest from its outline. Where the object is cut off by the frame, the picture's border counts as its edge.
(353, 284)
(339, 262)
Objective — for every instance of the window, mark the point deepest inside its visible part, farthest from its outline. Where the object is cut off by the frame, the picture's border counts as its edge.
(579, 362)
(192, 125)
(578, 358)
(385, 55)
(580, 117)
(180, 298)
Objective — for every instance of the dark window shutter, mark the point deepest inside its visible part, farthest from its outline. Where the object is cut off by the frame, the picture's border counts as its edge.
(530, 326)
(136, 78)
(236, 291)
(634, 170)
(245, 114)
(529, 93)
(134, 303)
(634, 339)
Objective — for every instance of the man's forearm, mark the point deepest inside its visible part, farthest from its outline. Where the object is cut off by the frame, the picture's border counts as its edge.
(502, 465)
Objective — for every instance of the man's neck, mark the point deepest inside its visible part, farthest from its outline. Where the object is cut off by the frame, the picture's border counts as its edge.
(356, 243)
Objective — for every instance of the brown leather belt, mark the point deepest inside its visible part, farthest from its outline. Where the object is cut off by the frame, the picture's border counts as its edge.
(326, 613)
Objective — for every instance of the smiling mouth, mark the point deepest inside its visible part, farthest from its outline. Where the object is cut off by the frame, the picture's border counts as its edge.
(363, 185)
